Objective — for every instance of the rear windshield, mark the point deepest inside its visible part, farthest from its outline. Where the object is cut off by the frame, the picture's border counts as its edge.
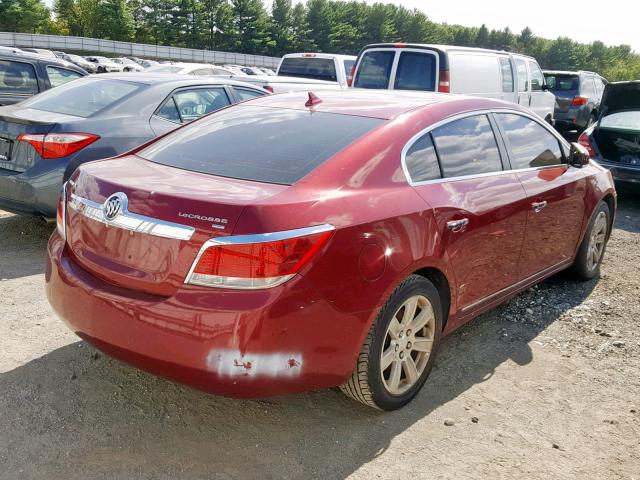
(259, 144)
(82, 99)
(562, 83)
(309, 67)
(374, 69)
(164, 69)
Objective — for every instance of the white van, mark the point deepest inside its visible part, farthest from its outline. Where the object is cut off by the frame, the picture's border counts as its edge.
(319, 66)
(448, 69)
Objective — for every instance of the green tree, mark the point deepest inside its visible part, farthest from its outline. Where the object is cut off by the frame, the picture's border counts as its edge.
(321, 23)
(282, 26)
(250, 27)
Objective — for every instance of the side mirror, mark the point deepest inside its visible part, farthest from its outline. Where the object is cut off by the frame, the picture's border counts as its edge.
(545, 87)
(578, 155)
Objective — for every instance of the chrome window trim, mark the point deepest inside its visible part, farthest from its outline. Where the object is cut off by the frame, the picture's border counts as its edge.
(127, 220)
(459, 116)
(253, 238)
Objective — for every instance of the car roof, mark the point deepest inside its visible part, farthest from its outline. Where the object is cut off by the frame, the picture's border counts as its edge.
(150, 78)
(436, 46)
(569, 72)
(319, 55)
(54, 61)
(383, 104)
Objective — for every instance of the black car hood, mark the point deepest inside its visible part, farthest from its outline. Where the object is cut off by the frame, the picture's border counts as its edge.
(620, 96)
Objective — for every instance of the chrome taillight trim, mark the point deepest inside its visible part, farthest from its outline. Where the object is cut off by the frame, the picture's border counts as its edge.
(247, 283)
(127, 220)
(62, 228)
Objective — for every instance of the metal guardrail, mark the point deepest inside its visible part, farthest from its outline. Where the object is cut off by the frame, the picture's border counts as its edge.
(61, 42)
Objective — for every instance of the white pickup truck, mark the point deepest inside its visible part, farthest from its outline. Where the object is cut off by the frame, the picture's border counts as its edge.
(318, 66)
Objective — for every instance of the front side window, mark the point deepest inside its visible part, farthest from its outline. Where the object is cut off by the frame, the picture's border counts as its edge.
(261, 144)
(193, 104)
(59, 76)
(421, 160)
(523, 76)
(537, 77)
(507, 74)
(531, 144)
(374, 69)
(416, 71)
(17, 78)
(467, 147)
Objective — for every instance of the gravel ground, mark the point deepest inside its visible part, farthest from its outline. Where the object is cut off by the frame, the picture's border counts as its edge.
(546, 386)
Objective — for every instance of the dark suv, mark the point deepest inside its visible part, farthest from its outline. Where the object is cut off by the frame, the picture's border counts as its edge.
(24, 74)
(578, 96)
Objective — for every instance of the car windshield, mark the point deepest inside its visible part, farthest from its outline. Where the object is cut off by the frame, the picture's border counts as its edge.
(309, 67)
(562, 83)
(285, 144)
(83, 98)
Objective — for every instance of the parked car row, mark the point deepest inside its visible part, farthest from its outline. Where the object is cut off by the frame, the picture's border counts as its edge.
(250, 244)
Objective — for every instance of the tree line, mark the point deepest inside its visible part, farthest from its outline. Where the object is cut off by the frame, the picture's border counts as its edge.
(335, 26)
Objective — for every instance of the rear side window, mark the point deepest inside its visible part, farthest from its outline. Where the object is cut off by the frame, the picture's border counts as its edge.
(17, 78)
(467, 147)
(83, 98)
(203, 72)
(416, 71)
(259, 144)
(507, 74)
(59, 76)
(523, 76)
(421, 160)
(309, 67)
(531, 144)
(246, 94)
(374, 69)
(588, 86)
(537, 78)
(195, 103)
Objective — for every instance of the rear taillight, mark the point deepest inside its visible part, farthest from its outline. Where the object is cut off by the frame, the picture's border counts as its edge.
(444, 84)
(257, 261)
(57, 145)
(579, 100)
(61, 212)
(585, 141)
(268, 88)
(350, 76)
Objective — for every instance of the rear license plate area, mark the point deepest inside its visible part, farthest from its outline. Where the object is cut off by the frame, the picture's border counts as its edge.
(5, 149)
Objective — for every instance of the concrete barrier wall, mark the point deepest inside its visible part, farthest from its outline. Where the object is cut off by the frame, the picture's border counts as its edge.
(64, 43)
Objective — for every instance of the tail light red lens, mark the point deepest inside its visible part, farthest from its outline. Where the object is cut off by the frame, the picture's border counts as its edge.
(257, 261)
(579, 100)
(444, 84)
(586, 143)
(268, 88)
(57, 145)
(61, 213)
(350, 76)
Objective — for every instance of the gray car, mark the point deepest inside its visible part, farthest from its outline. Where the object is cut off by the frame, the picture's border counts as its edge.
(44, 139)
(578, 97)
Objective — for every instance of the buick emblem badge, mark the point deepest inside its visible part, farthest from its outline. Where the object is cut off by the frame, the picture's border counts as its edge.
(114, 205)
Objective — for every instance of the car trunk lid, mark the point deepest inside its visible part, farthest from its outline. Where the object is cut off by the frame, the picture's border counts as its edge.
(15, 121)
(619, 97)
(172, 212)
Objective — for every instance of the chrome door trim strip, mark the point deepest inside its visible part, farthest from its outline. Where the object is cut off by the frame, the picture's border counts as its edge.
(472, 113)
(132, 222)
(539, 275)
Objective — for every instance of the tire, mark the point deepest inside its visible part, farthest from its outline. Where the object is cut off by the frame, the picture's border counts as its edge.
(374, 386)
(591, 252)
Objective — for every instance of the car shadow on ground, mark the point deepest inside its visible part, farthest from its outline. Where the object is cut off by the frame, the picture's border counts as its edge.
(23, 245)
(628, 214)
(74, 411)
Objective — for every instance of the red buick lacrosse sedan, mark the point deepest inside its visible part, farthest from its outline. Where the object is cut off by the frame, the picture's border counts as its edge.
(298, 242)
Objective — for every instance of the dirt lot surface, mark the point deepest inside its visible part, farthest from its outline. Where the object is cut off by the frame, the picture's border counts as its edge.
(545, 387)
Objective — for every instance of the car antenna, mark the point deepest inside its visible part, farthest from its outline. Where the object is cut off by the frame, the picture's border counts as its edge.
(313, 100)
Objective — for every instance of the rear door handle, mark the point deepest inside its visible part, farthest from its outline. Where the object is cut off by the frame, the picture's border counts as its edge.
(538, 206)
(457, 225)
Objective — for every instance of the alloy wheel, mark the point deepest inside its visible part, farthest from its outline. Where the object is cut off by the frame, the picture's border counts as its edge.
(407, 345)
(597, 241)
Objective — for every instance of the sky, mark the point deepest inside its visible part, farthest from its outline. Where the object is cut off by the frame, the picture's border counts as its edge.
(614, 22)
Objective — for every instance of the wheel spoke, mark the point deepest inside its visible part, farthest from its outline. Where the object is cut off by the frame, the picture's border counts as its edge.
(410, 370)
(387, 357)
(394, 328)
(394, 378)
(409, 310)
(422, 344)
(421, 320)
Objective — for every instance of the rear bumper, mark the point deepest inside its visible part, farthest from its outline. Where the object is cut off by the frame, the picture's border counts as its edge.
(236, 343)
(574, 118)
(34, 191)
(622, 173)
